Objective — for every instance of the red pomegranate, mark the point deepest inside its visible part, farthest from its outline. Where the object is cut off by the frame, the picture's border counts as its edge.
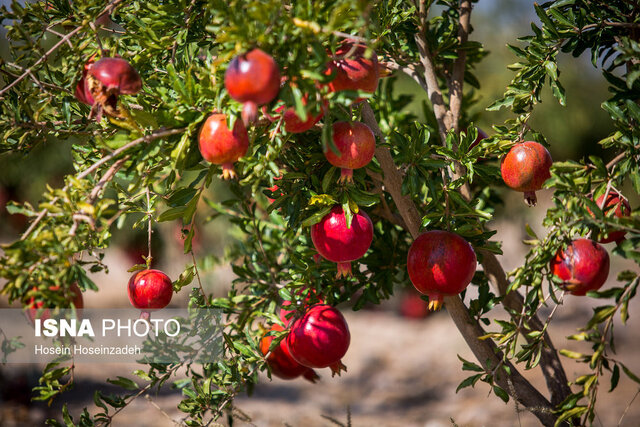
(620, 208)
(583, 266)
(150, 290)
(82, 93)
(253, 79)
(106, 79)
(525, 168)
(280, 361)
(357, 145)
(413, 307)
(320, 338)
(354, 71)
(440, 264)
(220, 146)
(339, 243)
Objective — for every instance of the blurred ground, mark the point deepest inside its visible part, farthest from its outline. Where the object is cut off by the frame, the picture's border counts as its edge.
(401, 372)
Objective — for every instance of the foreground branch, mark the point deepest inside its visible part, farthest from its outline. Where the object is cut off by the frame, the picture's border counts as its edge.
(485, 351)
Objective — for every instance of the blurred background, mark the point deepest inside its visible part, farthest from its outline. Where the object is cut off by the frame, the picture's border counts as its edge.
(402, 364)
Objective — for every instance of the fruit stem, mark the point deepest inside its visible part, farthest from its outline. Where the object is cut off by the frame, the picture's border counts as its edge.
(344, 270)
(530, 198)
(337, 368)
(249, 112)
(146, 315)
(346, 176)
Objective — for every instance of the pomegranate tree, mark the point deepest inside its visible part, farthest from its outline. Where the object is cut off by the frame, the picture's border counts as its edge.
(337, 242)
(220, 146)
(253, 79)
(320, 338)
(615, 205)
(149, 290)
(440, 263)
(354, 70)
(583, 266)
(525, 168)
(281, 363)
(356, 144)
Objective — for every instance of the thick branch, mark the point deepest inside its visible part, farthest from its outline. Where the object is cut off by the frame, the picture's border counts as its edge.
(484, 350)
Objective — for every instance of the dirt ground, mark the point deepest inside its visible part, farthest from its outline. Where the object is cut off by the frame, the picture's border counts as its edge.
(400, 372)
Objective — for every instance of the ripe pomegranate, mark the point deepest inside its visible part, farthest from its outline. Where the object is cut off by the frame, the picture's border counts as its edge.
(583, 266)
(150, 290)
(220, 146)
(620, 207)
(525, 168)
(292, 122)
(340, 244)
(357, 145)
(440, 263)
(253, 79)
(280, 361)
(82, 93)
(106, 79)
(413, 307)
(320, 338)
(355, 71)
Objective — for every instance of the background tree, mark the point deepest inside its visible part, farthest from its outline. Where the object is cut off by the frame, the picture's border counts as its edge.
(143, 165)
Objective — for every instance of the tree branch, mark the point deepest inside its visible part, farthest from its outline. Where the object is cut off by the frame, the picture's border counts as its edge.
(457, 77)
(485, 351)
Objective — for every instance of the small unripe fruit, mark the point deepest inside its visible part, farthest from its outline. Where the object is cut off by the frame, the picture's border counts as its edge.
(583, 266)
(220, 146)
(525, 168)
(440, 264)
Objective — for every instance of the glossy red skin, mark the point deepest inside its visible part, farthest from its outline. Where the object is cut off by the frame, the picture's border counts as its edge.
(355, 72)
(82, 93)
(218, 144)
(280, 361)
(526, 166)
(356, 143)
(116, 73)
(150, 290)
(337, 243)
(253, 77)
(440, 263)
(320, 338)
(293, 123)
(622, 209)
(583, 266)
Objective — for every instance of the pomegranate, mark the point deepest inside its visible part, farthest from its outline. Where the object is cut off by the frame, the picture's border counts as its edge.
(286, 311)
(440, 263)
(620, 208)
(82, 93)
(293, 123)
(354, 71)
(357, 145)
(339, 243)
(150, 290)
(525, 168)
(220, 146)
(320, 338)
(583, 266)
(253, 79)
(413, 307)
(106, 79)
(274, 190)
(280, 361)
